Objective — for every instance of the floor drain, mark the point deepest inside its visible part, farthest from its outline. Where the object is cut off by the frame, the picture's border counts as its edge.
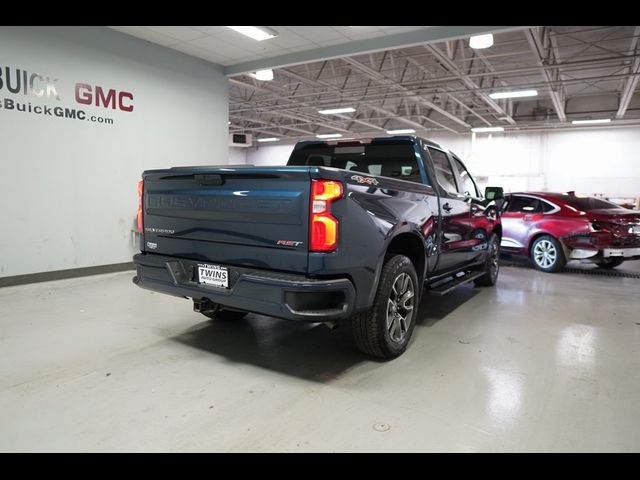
(602, 273)
(381, 427)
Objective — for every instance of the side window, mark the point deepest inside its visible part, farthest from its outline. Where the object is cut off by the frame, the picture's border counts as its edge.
(547, 207)
(444, 173)
(524, 205)
(468, 185)
(505, 205)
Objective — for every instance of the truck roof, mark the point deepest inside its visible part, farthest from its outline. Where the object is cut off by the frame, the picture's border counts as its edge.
(367, 141)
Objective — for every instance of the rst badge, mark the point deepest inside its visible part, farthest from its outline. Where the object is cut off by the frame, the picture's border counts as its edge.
(288, 243)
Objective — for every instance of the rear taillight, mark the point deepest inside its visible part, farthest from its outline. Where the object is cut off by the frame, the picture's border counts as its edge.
(139, 216)
(323, 226)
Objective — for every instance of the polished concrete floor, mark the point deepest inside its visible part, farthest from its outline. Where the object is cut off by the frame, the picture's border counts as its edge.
(539, 363)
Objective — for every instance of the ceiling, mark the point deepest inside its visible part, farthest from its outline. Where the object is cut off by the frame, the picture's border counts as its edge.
(425, 78)
(226, 47)
(580, 73)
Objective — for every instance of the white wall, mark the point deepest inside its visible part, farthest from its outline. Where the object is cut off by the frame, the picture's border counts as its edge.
(68, 187)
(590, 161)
(273, 154)
(237, 155)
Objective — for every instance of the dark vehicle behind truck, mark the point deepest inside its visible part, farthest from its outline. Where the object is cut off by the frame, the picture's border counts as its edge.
(349, 230)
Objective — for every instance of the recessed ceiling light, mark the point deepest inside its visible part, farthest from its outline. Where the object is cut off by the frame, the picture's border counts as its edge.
(329, 135)
(268, 139)
(257, 33)
(331, 111)
(401, 131)
(263, 75)
(514, 94)
(587, 122)
(481, 41)
(487, 129)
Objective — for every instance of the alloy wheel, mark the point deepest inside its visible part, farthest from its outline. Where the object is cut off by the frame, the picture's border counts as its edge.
(545, 254)
(494, 262)
(400, 307)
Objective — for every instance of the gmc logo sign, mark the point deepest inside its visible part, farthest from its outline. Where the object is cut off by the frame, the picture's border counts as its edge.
(100, 97)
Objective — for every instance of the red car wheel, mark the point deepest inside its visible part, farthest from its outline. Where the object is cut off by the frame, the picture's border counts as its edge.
(547, 254)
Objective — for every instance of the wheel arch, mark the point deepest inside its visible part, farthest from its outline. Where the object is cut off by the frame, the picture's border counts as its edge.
(537, 236)
(412, 246)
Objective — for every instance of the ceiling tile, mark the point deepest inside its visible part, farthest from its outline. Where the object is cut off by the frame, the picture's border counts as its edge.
(317, 34)
(351, 31)
(184, 34)
(219, 46)
(249, 45)
(203, 53)
(288, 38)
(212, 30)
(146, 34)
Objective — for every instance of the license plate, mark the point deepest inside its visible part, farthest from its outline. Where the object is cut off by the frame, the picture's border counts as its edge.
(635, 229)
(213, 275)
(615, 253)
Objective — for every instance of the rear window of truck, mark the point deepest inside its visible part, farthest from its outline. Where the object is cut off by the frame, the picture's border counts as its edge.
(395, 161)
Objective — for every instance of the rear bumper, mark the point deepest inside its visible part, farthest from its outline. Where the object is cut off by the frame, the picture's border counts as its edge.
(587, 254)
(293, 297)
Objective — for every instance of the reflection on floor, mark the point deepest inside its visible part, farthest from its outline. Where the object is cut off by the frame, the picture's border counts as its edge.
(541, 362)
(629, 268)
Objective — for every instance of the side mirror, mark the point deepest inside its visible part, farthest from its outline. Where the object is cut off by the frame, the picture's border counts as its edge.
(494, 193)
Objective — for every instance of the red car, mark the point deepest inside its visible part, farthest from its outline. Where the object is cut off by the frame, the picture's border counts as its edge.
(553, 228)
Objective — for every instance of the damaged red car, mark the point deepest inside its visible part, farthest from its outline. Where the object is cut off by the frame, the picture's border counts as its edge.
(553, 228)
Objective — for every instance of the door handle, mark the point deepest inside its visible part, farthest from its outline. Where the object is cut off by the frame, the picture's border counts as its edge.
(447, 207)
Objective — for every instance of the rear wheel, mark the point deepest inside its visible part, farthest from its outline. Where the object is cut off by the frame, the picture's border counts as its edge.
(384, 330)
(491, 264)
(609, 262)
(226, 315)
(547, 255)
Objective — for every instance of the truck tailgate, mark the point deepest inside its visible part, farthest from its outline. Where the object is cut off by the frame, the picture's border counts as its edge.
(245, 216)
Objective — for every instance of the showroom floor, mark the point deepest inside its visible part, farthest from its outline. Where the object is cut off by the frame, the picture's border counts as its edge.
(540, 363)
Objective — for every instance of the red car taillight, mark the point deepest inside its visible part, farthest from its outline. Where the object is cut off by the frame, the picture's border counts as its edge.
(323, 226)
(139, 216)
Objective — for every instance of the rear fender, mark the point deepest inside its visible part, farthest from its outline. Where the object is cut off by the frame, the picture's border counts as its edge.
(401, 230)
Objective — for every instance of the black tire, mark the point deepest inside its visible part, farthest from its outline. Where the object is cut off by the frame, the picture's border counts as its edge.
(491, 263)
(226, 315)
(610, 262)
(382, 331)
(547, 254)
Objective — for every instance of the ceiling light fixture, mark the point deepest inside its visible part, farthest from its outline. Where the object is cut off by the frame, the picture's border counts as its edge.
(268, 139)
(263, 75)
(332, 111)
(401, 131)
(587, 122)
(487, 129)
(481, 41)
(257, 33)
(514, 94)
(329, 135)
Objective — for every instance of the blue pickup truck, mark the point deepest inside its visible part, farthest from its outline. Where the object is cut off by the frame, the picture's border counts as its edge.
(351, 231)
